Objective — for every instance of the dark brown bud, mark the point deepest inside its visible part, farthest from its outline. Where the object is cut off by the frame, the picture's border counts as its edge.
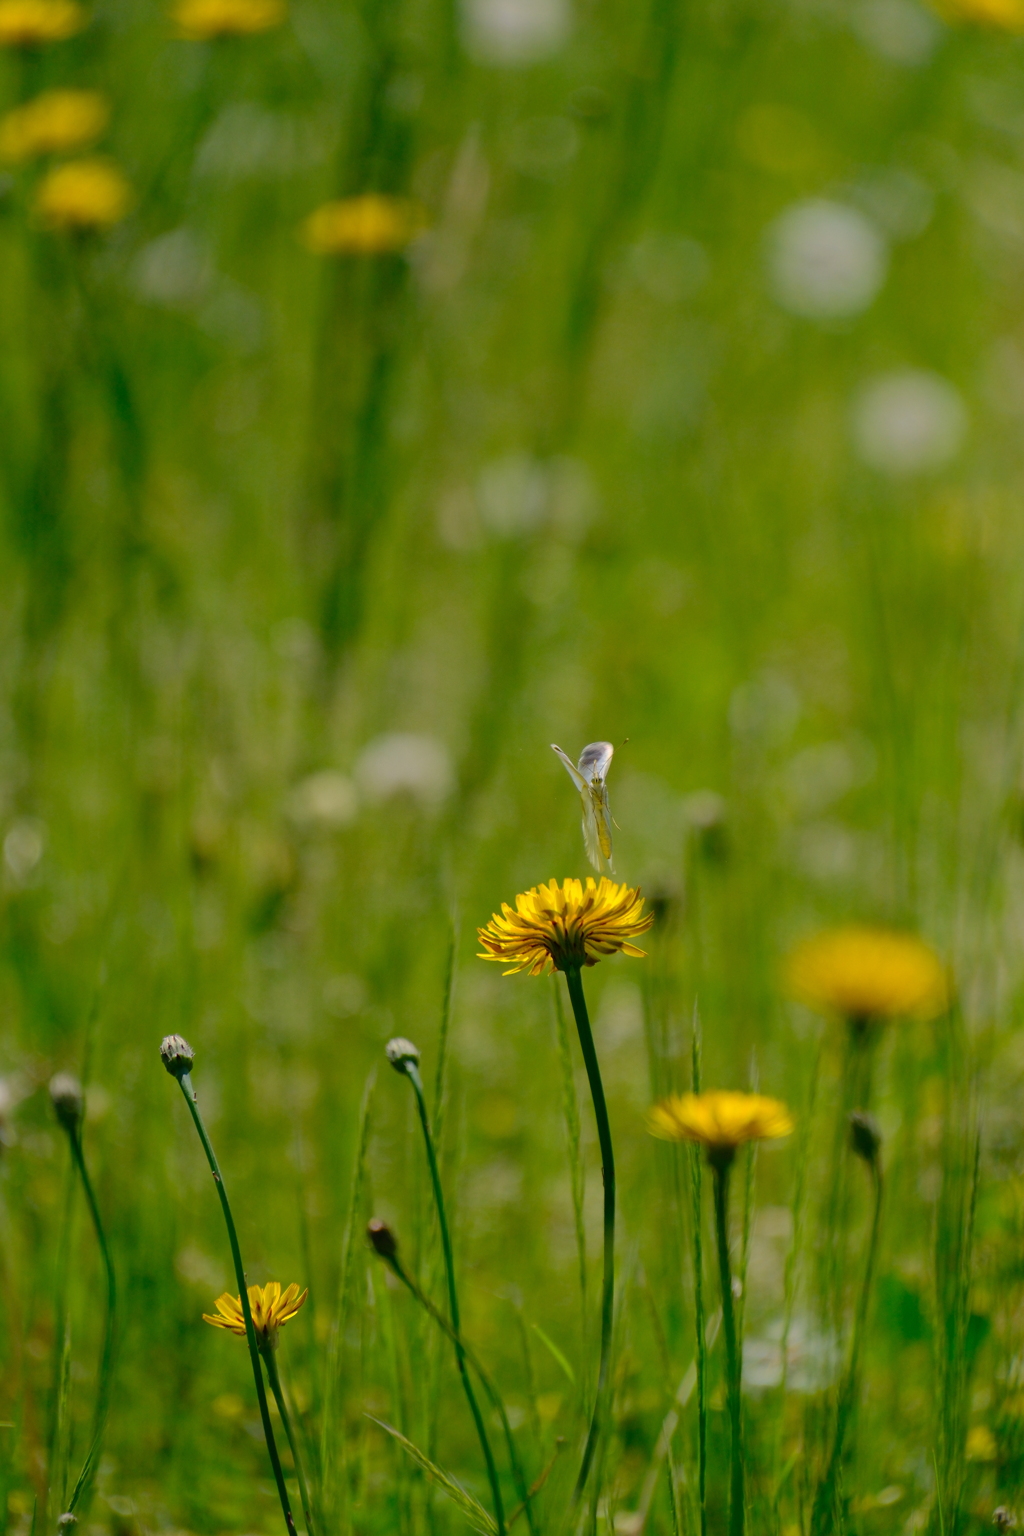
(382, 1239)
(68, 1100)
(177, 1055)
(865, 1137)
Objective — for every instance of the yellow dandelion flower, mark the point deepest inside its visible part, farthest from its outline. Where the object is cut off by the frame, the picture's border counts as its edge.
(271, 1309)
(868, 974)
(562, 927)
(30, 23)
(55, 123)
(370, 225)
(719, 1120)
(81, 195)
(201, 20)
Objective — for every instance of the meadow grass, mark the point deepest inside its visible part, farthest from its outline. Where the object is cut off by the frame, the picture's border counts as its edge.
(308, 559)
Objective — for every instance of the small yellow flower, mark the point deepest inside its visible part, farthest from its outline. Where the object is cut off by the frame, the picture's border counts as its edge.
(558, 927)
(719, 1119)
(200, 20)
(868, 974)
(82, 194)
(30, 23)
(370, 225)
(271, 1309)
(981, 1444)
(55, 123)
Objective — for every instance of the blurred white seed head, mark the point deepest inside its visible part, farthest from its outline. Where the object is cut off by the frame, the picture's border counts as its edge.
(325, 799)
(907, 422)
(403, 762)
(512, 32)
(826, 260)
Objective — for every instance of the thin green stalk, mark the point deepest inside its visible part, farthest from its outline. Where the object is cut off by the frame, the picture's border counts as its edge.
(185, 1083)
(105, 1378)
(328, 1439)
(269, 1354)
(412, 1072)
(571, 1114)
(733, 1360)
(55, 1418)
(701, 1357)
(823, 1515)
(494, 1397)
(574, 982)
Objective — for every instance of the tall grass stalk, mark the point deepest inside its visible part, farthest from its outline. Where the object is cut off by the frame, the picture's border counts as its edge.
(720, 1169)
(408, 1064)
(701, 1356)
(826, 1514)
(385, 1244)
(332, 1445)
(574, 982)
(178, 1056)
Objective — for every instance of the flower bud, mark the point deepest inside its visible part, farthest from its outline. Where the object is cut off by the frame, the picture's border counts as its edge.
(1004, 1519)
(865, 1137)
(67, 1099)
(65, 1521)
(402, 1053)
(177, 1055)
(382, 1239)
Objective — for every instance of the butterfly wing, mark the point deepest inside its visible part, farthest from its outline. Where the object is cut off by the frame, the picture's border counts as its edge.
(595, 761)
(567, 763)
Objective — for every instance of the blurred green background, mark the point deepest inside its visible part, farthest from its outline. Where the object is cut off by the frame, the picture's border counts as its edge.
(693, 418)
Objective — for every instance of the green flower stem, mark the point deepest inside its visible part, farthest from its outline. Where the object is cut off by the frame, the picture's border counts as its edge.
(824, 1516)
(525, 1494)
(701, 1357)
(269, 1353)
(185, 1082)
(733, 1360)
(574, 982)
(413, 1074)
(103, 1385)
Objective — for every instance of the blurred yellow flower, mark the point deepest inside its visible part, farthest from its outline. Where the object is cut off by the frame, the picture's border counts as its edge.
(866, 974)
(1005, 15)
(200, 20)
(57, 122)
(372, 224)
(719, 1119)
(82, 194)
(981, 1444)
(271, 1309)
(29, 23)
(558, 927)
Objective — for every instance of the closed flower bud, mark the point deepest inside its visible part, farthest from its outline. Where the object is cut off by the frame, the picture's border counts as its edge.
(382, 1239)
(865, 1137)
(66, 1520)
(402, 1053)
(1004, 1519)
(67, 1099)
(177, 1055)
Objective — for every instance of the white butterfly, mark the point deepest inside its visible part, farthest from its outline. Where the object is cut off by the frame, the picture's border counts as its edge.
(589, 777)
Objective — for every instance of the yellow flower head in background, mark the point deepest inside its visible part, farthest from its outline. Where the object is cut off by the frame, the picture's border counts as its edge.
(81, 195)
(30, 23)
(1004, 15)
(271, 1309)
(558, 927)
(55, 123)
(370, 225)
(868, 974)
(719, 1120)
(200, 20)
